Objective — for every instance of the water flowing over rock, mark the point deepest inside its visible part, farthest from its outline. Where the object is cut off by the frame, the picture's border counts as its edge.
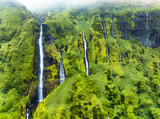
(27, 114)
(112, 25)
(147, 42)
(85, 54)
(105, 36)
(61, 72)
(105, 31)
(120, 55)
(40, 86)
(108, 53)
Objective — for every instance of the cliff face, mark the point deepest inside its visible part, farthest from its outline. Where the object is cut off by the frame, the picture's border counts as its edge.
(124, 75)
(145, 28)
(136, 22)
(51, 69)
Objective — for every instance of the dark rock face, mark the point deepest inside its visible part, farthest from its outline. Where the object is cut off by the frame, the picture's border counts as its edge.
(48, 37)
(146, 28)
(49, 60)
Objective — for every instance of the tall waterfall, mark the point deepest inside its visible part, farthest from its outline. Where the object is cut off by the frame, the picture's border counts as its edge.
(108, 53)
(40, 86)
(147, 19)
(105, 31)
(120, 55)
(112, 25)
(61, 72)
(147, 42)
(105, 36)
(27, 114)
(85, 54)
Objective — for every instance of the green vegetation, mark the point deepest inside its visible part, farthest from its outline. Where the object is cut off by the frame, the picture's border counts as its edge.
(133, 93)
(130, 91)
(18, 32)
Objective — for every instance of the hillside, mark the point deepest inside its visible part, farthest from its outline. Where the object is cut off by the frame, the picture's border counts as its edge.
(18, 34)
(124, 74)
(108, 54)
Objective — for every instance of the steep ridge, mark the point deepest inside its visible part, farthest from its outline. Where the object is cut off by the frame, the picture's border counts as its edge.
(131, 94)
(134, 90)
(18, 59)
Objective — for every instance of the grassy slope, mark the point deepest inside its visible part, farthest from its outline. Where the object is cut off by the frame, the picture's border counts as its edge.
(133, 93)
(17, 51)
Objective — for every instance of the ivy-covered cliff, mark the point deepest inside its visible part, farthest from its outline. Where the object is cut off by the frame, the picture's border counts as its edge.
(18, 59)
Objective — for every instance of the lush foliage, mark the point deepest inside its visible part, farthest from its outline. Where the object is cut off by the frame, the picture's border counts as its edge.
(18, 32)
(111, 90)
(130, 91)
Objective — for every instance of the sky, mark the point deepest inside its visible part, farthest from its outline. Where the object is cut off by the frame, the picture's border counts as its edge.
(41, 4)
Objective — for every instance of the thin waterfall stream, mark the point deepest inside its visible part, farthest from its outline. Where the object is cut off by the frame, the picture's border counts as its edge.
(105, 36)
(62, 71)
(85, 54)
(120, 55)
(41, 68)
(147, 42)
(40, 86)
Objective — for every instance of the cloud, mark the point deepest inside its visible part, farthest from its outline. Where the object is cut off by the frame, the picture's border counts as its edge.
(42, 4)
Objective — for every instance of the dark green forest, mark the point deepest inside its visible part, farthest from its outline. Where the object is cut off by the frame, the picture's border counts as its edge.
(124, 68)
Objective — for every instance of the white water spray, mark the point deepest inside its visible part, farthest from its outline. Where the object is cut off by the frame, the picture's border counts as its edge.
(85, 53)
(62, 72)
(40, 86)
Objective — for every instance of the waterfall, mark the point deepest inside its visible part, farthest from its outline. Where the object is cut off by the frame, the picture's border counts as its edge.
(85, 54)
(105, 31)
(147, 19)
(158, 30)
(27, 114)
(120, 55)
(105, 36)
(108, 53)
(40, 86)
(61, 72)
(147, 42)
(112, 25)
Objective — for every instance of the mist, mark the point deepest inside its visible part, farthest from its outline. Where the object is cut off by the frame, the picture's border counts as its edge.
(44, 4)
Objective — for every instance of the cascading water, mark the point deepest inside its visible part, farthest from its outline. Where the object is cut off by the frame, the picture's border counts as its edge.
(40, 86)
(120, 55)
(147, 42)
(85, 54)
(108, 53)
(147, 19)
(105, 36)
(62, 72)
(112, 25)
(27, 114)
(107, 48)
(105, 31)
